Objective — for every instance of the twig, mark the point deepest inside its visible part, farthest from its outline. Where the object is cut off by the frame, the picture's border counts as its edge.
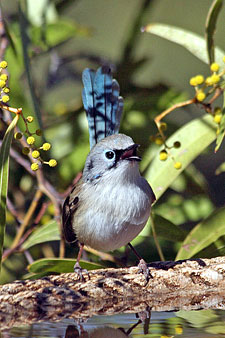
(159, 117)
(11, 250)
(19, 159)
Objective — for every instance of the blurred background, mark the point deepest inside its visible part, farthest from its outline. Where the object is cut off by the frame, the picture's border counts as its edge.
(61, 38)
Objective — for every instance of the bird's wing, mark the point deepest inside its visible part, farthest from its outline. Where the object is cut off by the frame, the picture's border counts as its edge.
(70, 206)
(102, 103)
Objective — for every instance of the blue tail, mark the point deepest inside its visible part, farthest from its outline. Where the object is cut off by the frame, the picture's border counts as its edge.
(102, 103)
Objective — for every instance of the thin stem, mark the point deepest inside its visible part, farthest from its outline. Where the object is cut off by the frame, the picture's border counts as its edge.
(17, 111)
(168, 111)
(27, 218)
(162, 258)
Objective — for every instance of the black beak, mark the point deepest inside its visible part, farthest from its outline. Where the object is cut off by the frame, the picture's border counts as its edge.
(130, 153)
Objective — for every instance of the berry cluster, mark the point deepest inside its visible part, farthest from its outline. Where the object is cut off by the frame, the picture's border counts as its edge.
(31, 148)
(30, 137)
(165, 153)
(204, 87)
(4, 90)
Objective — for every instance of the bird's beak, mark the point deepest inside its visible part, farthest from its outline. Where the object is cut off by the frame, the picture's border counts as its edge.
(130, 153)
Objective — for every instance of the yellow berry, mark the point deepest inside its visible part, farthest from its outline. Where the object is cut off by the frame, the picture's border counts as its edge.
(30, 119)
(3, 64)
(2, 83)
(199, 79)
(4, 77)
(177, 165)
(214, 67)
(46, 146)
(208, 81)
(6, 90)
(158, 141)
(217, 110)
(177, 144)
(5, 98)
(217, 118)
(193, 81)
(215, 78)
(30, 140)
(38, 132)
(35, 154)
(25, 150)
(163, 155)
(52, 163)
(18, 135)
(224, 59)
(200, 96)
(34, 166)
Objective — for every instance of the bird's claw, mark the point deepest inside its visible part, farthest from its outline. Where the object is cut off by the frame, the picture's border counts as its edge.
(80, 272)
(143, 268)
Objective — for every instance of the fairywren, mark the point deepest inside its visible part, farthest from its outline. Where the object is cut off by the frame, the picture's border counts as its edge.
(111, 203)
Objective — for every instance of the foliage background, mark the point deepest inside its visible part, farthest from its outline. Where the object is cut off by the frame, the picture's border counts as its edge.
(61, 39)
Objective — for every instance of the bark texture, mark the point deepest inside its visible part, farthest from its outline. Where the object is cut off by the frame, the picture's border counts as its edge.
(187, 285)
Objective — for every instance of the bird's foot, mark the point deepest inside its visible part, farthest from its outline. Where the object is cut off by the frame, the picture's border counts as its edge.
(80, 272)
(143, 268)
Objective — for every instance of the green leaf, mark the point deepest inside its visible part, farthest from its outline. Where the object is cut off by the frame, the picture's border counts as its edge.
(168, 230)
(221, 129)
(46, 233)
(198, 319)
(211, 27)
(203, 234)
(63, 30)
(180, 210)
(194, 43)
(220, 169)
(195, 136)
(56, 265)
(40, 12)
(215, 249)
(4, 175)
(56, 33)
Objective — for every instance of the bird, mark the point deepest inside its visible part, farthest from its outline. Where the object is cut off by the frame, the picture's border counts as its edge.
(111, 203)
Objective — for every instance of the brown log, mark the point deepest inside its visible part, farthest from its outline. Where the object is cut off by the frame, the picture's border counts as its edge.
(187, 285)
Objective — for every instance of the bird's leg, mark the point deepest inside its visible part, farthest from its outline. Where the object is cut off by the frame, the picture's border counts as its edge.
(143, 268)
(77, 268)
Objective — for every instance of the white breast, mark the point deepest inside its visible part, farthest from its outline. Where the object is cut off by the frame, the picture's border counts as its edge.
(116, 213)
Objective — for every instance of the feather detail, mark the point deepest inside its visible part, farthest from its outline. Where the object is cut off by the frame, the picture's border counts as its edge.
(102, 103)
(88, 97)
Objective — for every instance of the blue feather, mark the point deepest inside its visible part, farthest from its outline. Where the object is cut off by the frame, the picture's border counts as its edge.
(88, 98)
(102, 103)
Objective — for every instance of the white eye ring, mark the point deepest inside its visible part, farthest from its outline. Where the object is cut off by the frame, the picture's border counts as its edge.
(109, 154)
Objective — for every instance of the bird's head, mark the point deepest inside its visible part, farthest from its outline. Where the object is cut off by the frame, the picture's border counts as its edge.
(115, 153)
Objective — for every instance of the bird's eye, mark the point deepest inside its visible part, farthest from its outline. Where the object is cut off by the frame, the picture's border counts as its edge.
(109, 154)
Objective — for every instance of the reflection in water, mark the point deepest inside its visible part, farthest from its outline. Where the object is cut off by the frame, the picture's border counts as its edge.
(204, 324)
(72, 331)
(102, 332)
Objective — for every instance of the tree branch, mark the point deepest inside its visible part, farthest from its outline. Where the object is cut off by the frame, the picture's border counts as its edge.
(188, 285)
